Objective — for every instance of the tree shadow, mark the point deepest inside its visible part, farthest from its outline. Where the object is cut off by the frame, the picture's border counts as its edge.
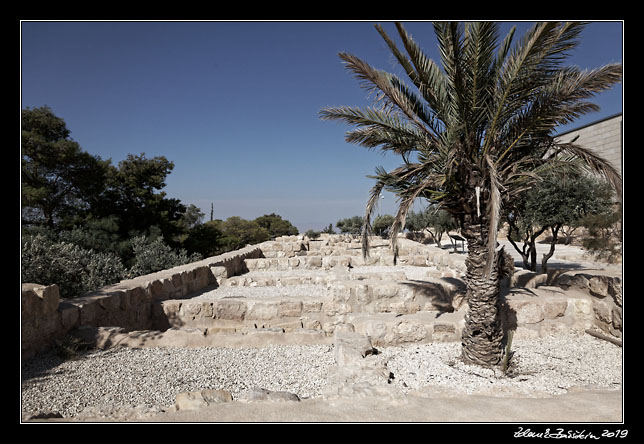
(441, 297)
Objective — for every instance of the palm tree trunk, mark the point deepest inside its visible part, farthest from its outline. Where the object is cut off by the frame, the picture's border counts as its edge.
(482, 337)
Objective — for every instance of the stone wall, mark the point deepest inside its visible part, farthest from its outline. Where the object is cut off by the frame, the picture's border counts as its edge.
(386, 306)
(604, 138)
(131, 304)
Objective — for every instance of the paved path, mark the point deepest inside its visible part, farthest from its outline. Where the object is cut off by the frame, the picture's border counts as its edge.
(594, 406)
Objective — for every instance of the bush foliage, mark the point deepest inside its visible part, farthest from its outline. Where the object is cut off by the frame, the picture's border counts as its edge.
(87, 223)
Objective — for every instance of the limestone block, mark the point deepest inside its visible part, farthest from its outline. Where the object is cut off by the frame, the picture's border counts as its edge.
(310, 324)
(444, 331)
(408, 331)
(554, 308)
(171, 310)
(336, 308)
(376, 330)
(230, 310)
(350, 347)
(311, 306)
(342, 291)
(201, 399)
(260, 394)
(88, 311)
(219, 272)
(262, 310)
(384, 290)
(264, 281)
(582, 309)
(602, 311)
(216, 396)
(69, 315)
(38, 301)
(387, 259)
(598, 286)
(293, 262)
(50, 297)
(617, 318)
(529, 313)
(362, 293)
(282, 263)
(291, 280)
(289, 308)
(313, 262)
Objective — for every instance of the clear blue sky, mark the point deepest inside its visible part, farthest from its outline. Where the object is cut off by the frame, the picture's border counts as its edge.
(235, 104)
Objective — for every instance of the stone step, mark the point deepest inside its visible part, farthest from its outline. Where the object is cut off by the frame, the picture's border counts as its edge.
(306, 277)
(254, 322)
(312, 309)
(332, 261)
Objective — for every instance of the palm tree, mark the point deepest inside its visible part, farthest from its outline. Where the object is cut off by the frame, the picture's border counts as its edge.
(472, 136)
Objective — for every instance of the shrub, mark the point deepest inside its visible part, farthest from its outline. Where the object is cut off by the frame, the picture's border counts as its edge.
(74, 269)
(351, 225)
(312, 234)
(153, 254)
(205, 239)
(604, 236)
(382, 224)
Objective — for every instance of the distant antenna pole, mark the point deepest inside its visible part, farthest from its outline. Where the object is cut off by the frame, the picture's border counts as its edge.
(211, 210)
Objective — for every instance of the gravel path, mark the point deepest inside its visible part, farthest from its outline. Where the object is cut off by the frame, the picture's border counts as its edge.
(151, 377)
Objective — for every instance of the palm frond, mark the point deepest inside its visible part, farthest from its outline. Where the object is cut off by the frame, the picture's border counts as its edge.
(592, 162)
(378, 128)
(430, 80)
(380, 83)
(372, 204)
(527, 68)
(494, 214)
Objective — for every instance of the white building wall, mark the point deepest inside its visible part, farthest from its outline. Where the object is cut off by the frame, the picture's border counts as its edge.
(604, 138)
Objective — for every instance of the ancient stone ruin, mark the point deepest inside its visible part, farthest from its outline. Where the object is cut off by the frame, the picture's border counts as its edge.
(293, 290)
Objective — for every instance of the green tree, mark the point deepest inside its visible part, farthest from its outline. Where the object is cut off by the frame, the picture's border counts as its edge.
(553, 203)
(276, 226)
(192, 217)
(59, 181)
(473, 135)
(434, 220)
(238, 232)
(604, 234)
(382, 224)
(205, 239)
(133, 193)
(312, 234)
(351, 225)
(329, 229)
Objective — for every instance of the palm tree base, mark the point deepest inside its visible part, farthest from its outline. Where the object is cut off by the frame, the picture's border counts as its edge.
(482, 337)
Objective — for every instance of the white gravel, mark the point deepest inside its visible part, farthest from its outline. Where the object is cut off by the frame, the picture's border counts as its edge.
(154, 376)
(541, 367)
(151, 377)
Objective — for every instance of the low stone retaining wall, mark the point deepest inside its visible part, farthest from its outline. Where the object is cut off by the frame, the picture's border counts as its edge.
(128, 304)
(604, 293)
(320, 253)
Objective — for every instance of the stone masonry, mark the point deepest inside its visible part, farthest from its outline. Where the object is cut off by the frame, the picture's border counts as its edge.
(305, 291)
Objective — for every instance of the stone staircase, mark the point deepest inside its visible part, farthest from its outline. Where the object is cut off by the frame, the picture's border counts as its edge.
(307, 296)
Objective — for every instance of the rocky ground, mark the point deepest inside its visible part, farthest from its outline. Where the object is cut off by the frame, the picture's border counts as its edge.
(120, 383)
(142, 384)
